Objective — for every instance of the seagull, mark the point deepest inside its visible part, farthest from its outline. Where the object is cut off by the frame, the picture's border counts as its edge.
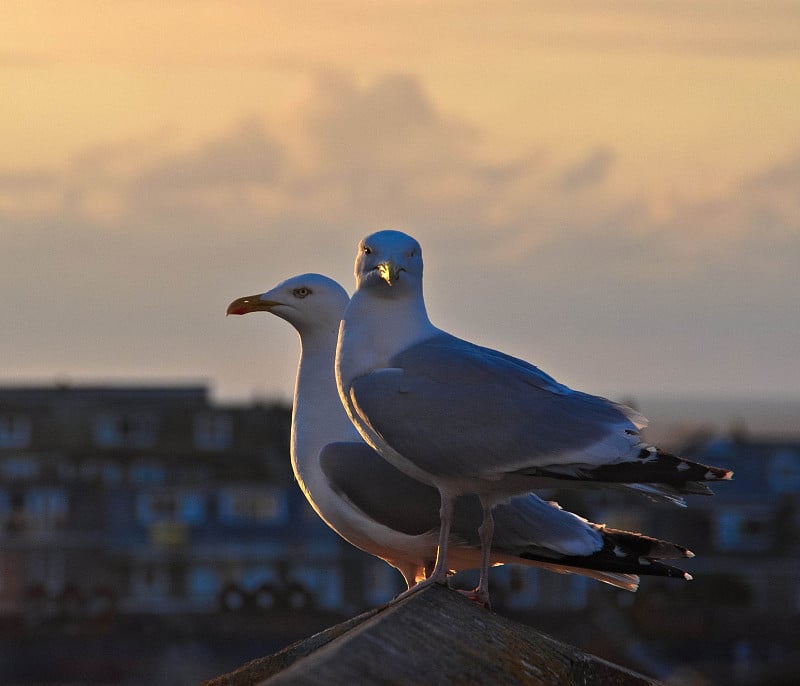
(380, 510)
(469, 420)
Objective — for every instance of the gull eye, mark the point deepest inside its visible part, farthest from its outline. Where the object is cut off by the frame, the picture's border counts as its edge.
(301, 292)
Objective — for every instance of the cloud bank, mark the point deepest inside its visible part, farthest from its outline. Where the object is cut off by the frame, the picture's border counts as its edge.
(120, 262)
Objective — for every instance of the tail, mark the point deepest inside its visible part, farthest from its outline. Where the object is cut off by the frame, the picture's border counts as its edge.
(623, 557)
(651, 470)
(529, 530)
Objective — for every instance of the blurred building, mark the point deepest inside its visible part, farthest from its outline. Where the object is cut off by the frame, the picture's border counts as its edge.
(156, 500)
(739, 619)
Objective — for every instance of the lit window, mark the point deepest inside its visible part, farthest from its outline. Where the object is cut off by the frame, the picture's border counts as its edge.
(213, 431)
(15, 431)
(252, 505)
(743, 530)
(203, 581)
(146, 472)
(125, 430)
(783, 472)
(46, 508)
(170, 506)
(19, 468)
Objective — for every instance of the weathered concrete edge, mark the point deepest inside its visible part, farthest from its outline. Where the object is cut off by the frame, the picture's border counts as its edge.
(347, 652)
(577, 666)
(335, 642)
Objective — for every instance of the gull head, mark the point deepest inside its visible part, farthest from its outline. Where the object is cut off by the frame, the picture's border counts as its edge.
(388, 262)
(308, 302)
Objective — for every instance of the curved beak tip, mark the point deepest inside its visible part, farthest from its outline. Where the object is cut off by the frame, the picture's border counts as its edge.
(245, 305)
(389, 271)
(251, 303)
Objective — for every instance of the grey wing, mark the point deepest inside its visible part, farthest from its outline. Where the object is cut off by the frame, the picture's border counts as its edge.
(533, 529)
(386, 495)
(530, 528)
(456, 409)
(528, 522)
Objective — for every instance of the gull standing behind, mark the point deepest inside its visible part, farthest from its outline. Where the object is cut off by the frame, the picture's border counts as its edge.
(471, 420)
(382, 511)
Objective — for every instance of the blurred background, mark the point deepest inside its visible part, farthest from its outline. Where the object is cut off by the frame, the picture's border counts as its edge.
(607, 189)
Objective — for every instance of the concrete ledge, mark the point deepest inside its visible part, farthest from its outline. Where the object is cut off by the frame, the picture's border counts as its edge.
(433, 637)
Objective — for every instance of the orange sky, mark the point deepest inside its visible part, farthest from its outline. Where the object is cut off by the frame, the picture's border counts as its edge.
(625, 172)
(693, 83)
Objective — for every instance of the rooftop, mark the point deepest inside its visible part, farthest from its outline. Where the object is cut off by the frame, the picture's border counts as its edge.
(435, 636)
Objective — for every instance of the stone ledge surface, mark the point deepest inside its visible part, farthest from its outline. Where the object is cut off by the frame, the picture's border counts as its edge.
(432, 637)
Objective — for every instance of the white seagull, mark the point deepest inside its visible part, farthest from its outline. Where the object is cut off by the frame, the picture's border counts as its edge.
(382, 511)
(470, 420)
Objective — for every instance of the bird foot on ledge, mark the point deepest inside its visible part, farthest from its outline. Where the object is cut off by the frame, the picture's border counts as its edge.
(478, 597)
(418, 587)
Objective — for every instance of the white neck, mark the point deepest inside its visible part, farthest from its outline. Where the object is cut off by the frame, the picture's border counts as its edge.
(374, 329)
(318, 417)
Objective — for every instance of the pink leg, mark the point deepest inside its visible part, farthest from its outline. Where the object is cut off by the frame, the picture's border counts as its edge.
(486, 531)
(439, 573)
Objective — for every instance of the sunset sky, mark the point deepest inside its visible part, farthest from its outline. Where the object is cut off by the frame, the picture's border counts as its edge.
(610, 190)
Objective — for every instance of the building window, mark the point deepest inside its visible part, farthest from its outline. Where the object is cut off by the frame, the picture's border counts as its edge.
(743, 531)
(169, 506)
(147, 473)
(203, 582)
(46, 508)
(105, 471)
(213, 431)
(125, 430)
(522, 589)
(19, 468)
(15, 431)
(783, 472)
(252, 505)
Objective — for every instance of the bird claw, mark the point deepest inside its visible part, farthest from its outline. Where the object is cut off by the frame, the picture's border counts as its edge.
(477, 596)
(418, 587)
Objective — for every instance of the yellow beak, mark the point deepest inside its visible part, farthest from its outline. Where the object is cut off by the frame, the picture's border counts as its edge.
(250, 303)
(389, 271)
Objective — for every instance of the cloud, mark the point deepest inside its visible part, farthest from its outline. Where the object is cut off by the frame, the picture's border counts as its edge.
(782, 176)
(247, 156)
(734, 28)
(378, 154)
(591, 170)
(25, 180)
(128, 254)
